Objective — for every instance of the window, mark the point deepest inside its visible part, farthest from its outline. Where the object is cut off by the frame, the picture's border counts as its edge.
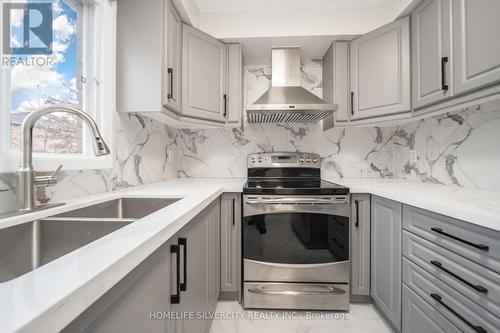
(65, 74)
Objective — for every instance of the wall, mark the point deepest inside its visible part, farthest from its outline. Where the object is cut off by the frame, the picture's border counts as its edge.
(459, 148)
(354, 152)
(141, 148)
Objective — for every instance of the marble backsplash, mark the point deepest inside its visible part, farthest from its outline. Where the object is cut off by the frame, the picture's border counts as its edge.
(141, 148)
(459, 148)
(353, 152)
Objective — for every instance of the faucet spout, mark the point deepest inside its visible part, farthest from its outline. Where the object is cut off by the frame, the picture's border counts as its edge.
(26, 173)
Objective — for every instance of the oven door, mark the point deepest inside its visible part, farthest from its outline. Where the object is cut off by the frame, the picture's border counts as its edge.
(296, 238)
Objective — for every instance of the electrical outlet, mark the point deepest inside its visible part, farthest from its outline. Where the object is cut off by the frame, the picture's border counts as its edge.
(413, 156)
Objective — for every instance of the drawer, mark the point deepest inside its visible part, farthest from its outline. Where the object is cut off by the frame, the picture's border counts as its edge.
(419, 316)
(478, 244)
(300, 296)
(457, 308)
(476, 282)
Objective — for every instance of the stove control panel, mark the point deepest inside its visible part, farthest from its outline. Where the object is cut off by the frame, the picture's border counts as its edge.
(284, 160)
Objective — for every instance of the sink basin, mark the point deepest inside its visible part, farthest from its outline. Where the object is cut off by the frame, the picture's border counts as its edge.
(125, 208)
(30, 245)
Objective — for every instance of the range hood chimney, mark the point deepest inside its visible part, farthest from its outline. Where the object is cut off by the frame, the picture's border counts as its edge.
(286, 101)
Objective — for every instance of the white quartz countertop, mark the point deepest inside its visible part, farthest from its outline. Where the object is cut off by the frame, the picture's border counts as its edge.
(50, 297)
(475, 206)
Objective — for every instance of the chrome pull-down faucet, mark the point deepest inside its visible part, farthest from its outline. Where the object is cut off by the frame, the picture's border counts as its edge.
(26, 175)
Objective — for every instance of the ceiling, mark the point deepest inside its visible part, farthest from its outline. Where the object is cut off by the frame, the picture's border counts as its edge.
(217, 6)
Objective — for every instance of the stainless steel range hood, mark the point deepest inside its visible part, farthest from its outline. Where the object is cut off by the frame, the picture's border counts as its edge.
(286, 100)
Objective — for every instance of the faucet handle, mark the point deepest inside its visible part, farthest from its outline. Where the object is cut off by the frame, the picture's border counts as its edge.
(56, 171)
(51, 180)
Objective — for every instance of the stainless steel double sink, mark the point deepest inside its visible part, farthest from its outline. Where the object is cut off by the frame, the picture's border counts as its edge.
(30, 245)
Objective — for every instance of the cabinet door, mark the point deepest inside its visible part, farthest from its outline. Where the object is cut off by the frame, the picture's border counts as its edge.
(203, 76)
(420, 316)
(235, 85)
(360, 248)
(202, 273)
(432, 47)
(336, 87)
(230, 245)
(173, 51)
(476, 30)
(380, 71)
(386, 258)
(132, 304)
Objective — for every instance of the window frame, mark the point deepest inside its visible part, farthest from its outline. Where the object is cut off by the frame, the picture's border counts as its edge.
(96, 21)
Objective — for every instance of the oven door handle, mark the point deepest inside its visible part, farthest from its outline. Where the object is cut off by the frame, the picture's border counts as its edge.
(296, 201)
(326, 291)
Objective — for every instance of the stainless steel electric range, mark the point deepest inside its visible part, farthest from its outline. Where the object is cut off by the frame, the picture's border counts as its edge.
(295, 235)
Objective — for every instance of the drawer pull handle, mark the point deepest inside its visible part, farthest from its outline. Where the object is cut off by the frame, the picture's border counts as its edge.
(481, 247)
(439, 299)
(183, 242)
(176, 298)
(478, 288)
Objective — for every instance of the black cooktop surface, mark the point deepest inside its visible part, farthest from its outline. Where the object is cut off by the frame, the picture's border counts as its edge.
(293, 186)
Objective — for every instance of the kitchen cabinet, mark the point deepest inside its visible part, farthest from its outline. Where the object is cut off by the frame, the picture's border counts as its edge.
(200, 276)
(129, 305)
(476, 44)
(188, 262)
(204, 70)
(360, 247)
(139, 56)
(336, 88)
(432, 61)
(419, 316)
(230, 246)
(386, 224)
(178, 75)
(380, 72)
(173, 61)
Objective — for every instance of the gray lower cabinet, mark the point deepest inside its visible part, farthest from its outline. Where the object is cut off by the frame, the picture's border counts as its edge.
(230, 246)
(200, 258)
(130, 304)
(419, 316)
(139, 301)
(386, 227)
(360, 247)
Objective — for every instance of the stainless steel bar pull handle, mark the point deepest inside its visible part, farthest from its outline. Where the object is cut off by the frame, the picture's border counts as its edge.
(325, 291)
(295, 201)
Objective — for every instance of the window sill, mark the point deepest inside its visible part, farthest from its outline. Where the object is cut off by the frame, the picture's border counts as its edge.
(50, 163)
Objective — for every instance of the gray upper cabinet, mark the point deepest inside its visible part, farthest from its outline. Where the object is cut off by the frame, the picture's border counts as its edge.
(386, 255)
(230, 246)
(139, 59)
(234, 84)
(173, 61)
(432, 62)
(360, 248)
(204, 70)
(476, 29)
(380, 71)
(336, 87)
